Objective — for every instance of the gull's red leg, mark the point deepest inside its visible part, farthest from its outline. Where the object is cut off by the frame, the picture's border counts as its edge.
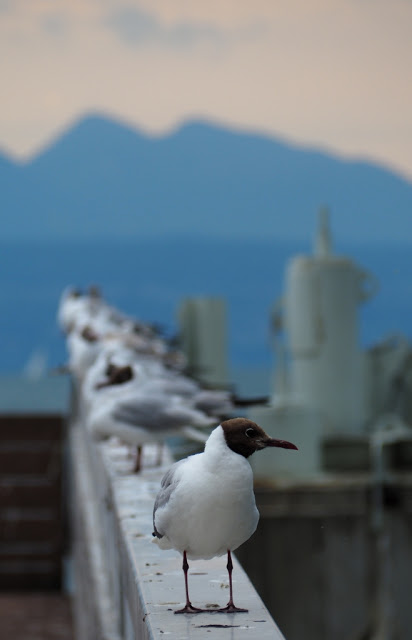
(188, 608)
(138, 463)
(230, 607)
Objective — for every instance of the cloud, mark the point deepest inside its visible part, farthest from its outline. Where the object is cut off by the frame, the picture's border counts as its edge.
(140, 28)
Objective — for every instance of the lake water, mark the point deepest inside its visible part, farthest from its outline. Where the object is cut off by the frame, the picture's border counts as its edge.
(149, 279)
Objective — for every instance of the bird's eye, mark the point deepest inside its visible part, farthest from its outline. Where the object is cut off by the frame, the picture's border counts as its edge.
(251, 432)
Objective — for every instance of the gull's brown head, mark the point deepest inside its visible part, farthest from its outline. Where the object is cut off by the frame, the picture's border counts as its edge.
(245, 437)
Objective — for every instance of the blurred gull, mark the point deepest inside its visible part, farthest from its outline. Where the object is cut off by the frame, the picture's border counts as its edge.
(138, 419)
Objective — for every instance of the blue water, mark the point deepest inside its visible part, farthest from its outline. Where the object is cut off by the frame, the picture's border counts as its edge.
(149, 279)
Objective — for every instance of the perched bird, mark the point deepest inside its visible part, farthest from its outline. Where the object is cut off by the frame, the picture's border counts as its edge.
(83, 347)
(138, 419)
(206, 505)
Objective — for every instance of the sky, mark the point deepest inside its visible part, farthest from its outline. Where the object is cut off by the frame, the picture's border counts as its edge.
(334, 74)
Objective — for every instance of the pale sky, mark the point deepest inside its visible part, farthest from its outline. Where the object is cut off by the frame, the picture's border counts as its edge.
(334, 74)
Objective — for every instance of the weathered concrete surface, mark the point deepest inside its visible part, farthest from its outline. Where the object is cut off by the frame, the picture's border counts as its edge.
(126, 587)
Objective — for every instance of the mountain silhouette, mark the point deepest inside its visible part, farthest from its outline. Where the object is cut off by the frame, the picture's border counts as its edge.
(104, 180)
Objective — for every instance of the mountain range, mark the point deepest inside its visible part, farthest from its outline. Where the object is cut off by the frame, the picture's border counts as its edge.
(103, 180)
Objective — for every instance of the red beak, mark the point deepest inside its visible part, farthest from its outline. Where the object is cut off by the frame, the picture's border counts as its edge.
(284, 444)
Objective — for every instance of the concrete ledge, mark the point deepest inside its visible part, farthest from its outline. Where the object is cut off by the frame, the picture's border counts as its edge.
(125, 586)
(94, 613)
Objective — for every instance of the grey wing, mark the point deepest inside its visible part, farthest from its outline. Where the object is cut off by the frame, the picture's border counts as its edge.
(158, 413)
(167, 486)
(140, 412)
(214, 402)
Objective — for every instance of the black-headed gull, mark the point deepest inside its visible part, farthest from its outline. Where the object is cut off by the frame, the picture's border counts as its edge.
(138, 419)
(206, 505)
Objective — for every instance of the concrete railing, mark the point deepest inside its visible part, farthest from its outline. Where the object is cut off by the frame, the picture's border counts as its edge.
(125, 586)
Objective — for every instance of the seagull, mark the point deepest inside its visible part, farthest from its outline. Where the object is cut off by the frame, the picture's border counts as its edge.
(206, 504)
(138, 419)
(83, 346)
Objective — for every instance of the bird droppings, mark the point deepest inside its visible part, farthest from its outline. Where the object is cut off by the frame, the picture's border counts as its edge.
(159, 573)
(212, 606)
(259, 620)
(139, 535)
(218, 626)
